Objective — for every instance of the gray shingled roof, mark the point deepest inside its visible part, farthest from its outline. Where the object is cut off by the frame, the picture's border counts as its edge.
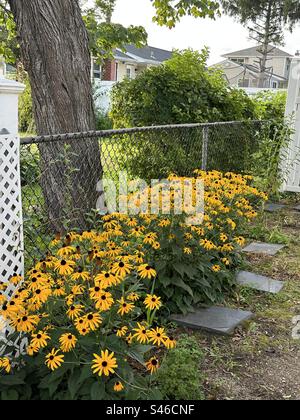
(252, 52)
(149, 53)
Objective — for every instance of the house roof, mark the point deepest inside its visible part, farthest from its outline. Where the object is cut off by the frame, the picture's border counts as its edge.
(144, 54)
(251, 68)
(252, 52)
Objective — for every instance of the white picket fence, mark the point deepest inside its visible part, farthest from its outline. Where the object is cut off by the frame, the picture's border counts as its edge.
(11, 221)
(291, 164)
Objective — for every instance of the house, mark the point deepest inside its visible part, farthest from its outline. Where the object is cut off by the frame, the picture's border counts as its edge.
(129, 63)
(241, 68)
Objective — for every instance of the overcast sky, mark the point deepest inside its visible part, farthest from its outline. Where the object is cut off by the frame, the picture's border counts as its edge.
(221, 36)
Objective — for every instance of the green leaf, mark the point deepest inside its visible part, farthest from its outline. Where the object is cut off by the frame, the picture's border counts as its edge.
(138, 353)
(180, 283)
(74, 383)
(11, 380)
(97, 391)
(10, 395)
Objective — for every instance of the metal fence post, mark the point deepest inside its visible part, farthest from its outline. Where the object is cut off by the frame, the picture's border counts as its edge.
(205, 148)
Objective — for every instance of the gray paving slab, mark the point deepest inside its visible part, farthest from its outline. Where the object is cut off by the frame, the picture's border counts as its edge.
(258, 282)
(297, 208)
(263, 248)
(274, 208)
(217, 320)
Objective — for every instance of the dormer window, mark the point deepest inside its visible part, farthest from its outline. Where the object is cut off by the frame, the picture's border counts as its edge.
(239, 60)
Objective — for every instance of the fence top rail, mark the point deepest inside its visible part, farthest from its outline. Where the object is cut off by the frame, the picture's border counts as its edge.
(109, 133)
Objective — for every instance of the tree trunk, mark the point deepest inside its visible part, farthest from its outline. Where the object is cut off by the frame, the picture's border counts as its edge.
(55, 53)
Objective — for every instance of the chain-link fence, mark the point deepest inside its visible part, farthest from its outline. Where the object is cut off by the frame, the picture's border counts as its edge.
(60, 173)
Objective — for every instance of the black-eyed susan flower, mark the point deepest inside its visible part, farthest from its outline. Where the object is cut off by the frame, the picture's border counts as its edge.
(67, 342)
(80, 274)
(121, 268)
(216, 268)
(104, 302)
(141, 333)
(170, 343)
(157, 336)
(41, 295)
(95, 292)
(104, 364)
(152, 302)
(105, 279)
(121, 332)
(5, 364)
(25, 323)
(31, 350)
(92, 321)
(240, 241)
(226, 261)
(187, 250)
(152, 365)
(133, 297)
(66, 251)
(118, 386)
(146, 271)
(64, 267)
(40, 340)
(54, 360)
(124, 307)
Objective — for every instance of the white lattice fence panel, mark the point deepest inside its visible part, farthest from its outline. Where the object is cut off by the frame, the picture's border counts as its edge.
(11, 232)
(291, 157)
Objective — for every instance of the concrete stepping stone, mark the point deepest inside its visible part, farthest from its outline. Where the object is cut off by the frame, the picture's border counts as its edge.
(297, 208)
(216, 319)
(263, 248)
(274, 208)
(257, 282)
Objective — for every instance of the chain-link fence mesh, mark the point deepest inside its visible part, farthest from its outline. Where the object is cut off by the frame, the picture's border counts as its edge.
(60, 173)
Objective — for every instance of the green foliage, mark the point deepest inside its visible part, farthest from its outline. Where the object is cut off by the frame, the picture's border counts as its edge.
(270, 106)
(267, 160)
(26, 119)
(30, 166)
(180, 377)
(168, 12)
(73, 381)
(183, 90)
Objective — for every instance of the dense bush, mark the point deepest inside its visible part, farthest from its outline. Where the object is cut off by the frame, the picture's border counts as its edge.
(182, 90)
(95, 298)
(26, 119)
(270, 106)
(180, 376)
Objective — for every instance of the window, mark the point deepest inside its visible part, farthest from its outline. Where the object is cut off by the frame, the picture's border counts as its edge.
(238, 60)
(275, 85)
(244, 83)
(97, 71)
(128, 72)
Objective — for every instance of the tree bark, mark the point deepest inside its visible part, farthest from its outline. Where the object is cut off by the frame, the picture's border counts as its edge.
(55, 53)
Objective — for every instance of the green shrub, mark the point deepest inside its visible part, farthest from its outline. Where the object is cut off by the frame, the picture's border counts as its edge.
(30, 165)
(270, 105)
(180, 377)
(26, 119)
(182, 90)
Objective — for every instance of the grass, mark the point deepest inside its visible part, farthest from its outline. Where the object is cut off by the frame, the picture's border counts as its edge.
(262, 351)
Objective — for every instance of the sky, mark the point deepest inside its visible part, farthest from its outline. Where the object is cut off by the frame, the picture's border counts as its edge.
(221, 36)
